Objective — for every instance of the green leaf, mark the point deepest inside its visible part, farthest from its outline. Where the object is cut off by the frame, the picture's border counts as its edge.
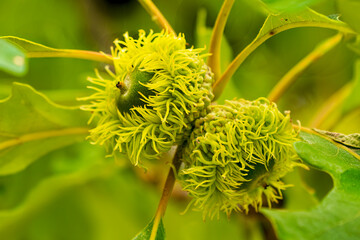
(338, 215)
(31, 126)
(276, 23)
(349, 10)
(36, 50)
(146, 232)
(12, 59)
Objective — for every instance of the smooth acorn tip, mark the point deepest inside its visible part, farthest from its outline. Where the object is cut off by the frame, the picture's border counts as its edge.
(130, 88)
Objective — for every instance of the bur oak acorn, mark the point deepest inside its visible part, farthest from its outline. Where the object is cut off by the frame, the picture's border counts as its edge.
(157, 90)
(236, 155)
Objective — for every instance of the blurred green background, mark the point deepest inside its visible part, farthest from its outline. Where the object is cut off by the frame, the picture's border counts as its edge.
(74, 193)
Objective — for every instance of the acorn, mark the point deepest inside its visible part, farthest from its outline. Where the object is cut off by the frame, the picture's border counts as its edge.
(236, 156)
(158, 88)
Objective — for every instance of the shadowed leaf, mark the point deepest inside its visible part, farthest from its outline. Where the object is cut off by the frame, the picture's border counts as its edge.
(31, 126)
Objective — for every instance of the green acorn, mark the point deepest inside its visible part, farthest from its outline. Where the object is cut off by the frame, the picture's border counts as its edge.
(236, 155)
(159, 87)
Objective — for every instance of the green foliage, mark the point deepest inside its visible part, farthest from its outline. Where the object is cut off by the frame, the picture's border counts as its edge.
(32, 126)
(337, 216)
(12, 59)
(52, 189)
(276, 23)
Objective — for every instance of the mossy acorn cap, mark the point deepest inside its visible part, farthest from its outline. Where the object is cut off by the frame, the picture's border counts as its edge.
(236, 154)
(149, 103)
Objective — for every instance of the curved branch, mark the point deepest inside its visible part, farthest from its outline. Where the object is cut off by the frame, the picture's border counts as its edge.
(166, 194)
(215, 42)
(266, 33)
(156, 15)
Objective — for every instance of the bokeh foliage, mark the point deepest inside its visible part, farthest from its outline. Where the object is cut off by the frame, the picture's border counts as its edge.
(74, 193)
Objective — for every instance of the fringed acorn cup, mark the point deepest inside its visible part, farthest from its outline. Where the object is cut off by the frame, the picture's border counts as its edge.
(236, 155)
(157, 91)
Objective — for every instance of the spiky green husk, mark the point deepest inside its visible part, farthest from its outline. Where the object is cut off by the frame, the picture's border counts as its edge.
(236, 155)
(174, 87)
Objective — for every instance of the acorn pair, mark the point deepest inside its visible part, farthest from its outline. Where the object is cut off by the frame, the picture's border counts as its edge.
(160, 94)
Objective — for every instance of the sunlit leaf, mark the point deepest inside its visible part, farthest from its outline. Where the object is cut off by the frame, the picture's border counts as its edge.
(36, 50)
(31, 126)
(338, 215)
(146, 232)
(12, 59)
(306, 18)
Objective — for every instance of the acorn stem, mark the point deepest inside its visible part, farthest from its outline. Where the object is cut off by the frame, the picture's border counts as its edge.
(167, 190)
(215, 42)
(156, 15)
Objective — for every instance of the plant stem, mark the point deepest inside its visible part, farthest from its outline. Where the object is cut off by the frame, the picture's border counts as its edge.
(291, 76)
(69, 53)
(167, 190)
(330, 106)
(215, 41)
(156, 15)
(220, 84)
